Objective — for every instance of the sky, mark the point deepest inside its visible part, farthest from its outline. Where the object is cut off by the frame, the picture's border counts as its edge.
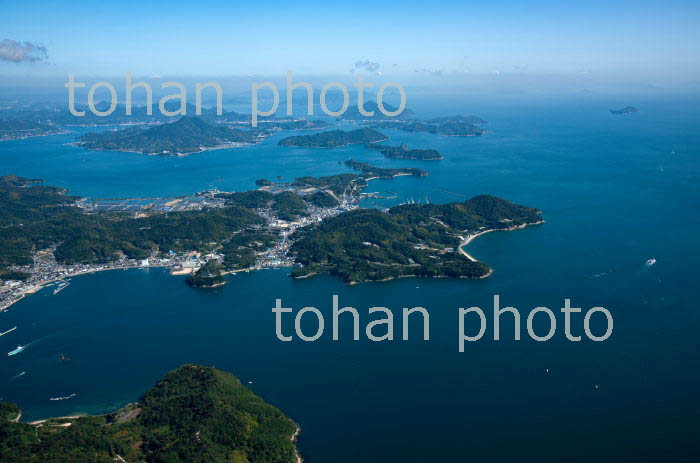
(655, 40)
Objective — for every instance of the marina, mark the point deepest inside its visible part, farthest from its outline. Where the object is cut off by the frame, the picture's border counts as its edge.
(61, 286)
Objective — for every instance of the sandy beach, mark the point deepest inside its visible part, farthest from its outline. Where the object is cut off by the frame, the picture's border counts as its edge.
(469, 238)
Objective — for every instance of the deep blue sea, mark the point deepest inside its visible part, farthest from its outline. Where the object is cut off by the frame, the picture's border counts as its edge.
(615, 191)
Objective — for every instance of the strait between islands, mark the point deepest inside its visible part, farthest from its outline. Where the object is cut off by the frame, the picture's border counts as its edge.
(312, 224)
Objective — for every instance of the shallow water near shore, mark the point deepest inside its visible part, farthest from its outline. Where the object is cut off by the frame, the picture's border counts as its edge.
(615, 192)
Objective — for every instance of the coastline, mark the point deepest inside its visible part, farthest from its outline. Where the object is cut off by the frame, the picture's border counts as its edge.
(331, 147)
(223, 146)
(38, 287)
(470, 238)
(62, 132)
(294, 439)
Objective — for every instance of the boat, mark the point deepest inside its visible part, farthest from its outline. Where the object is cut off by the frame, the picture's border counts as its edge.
(16, 351)
(8, 331)
(63, 398)
(650, 262)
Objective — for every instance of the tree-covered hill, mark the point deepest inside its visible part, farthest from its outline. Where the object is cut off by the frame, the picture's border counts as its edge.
(184, 136)
(194, 414)
(37, 217)
(334, 138)
(407, 240)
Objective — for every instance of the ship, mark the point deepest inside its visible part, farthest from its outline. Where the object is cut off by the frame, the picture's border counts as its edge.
(650, 262)
(16, 351)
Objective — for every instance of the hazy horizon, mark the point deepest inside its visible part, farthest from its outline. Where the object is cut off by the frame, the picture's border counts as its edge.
(638, 43)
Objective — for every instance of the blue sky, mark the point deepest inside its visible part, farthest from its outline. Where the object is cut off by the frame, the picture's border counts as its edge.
(652, 39)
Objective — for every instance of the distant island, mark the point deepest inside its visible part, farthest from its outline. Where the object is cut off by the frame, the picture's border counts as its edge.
(353, 112)
(406, 126)
(407, 240)
(474, 120)
(454, 126)
(334, 138)
(19, 129)
(300, 124)
(60, 116)
(195, 414)
(371, 172)
(625, 110)
(185, 136)
(403, 152)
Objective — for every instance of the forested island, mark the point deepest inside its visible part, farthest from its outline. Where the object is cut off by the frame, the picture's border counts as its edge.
(455, 126)
(403, 152)
(195, 414)
(407, 240)
(334, 138)
(370, 172)
(185, 136)
(60, 116)
(300, 124)
(210, 275)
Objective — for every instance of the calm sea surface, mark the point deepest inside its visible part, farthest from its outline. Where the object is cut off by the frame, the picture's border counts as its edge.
(615, 192)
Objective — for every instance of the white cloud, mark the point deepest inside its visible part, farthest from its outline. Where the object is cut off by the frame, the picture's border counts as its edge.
(21, 52)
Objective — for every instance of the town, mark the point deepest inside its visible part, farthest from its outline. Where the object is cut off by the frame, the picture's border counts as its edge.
(47, 272)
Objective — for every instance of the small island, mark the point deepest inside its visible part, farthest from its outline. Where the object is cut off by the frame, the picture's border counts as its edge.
(370, 172)
(300, 124)
(187, 135)
(624, 111)
(403, 152)
(195, 414)
(474, 120)
(453, 126)
(334, 138)
(210, 275)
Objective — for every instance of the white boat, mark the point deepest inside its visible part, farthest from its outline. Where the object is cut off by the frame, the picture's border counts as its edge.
(16, 351)
(650, 262)
(63, 398)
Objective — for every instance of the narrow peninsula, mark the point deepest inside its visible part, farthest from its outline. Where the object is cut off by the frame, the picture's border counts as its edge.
(407, 240)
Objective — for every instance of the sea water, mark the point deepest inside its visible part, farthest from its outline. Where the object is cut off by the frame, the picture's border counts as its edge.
(615, 191)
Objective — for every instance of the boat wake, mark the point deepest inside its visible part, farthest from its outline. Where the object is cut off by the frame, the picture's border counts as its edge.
(17, 376)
